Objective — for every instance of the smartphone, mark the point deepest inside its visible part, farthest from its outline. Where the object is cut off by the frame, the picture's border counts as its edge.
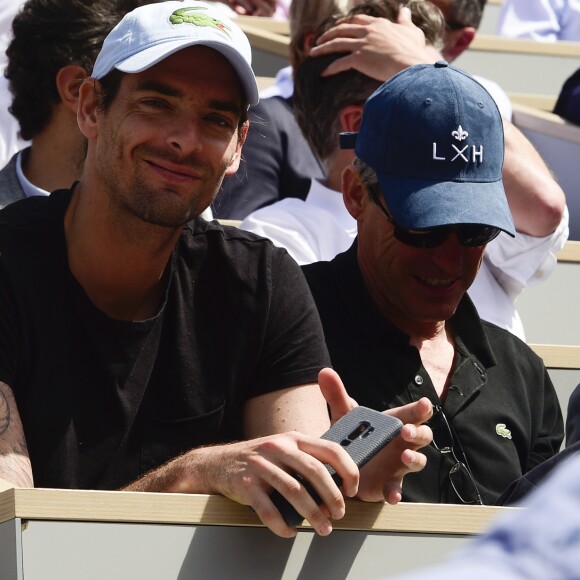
(363, 432)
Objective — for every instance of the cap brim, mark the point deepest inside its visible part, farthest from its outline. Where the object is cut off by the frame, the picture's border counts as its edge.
(154, 54)
(419, 204)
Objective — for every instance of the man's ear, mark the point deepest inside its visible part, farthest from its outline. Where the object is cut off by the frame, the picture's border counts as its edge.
(350, 118)
(88, 107)
(457, 41)
(309, 39)
(354, 194)
(68, 83)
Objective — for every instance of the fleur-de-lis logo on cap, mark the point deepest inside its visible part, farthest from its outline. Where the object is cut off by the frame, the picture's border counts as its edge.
(460, 134)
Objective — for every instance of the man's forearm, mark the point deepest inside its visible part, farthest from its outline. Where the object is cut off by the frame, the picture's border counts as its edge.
(192, 472)
(16, 468)
(536, 201)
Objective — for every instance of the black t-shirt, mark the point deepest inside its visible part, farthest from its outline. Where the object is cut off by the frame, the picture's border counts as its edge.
(103, 400)
(501, 403)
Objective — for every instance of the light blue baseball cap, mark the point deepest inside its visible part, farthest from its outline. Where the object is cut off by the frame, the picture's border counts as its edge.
(150, 33)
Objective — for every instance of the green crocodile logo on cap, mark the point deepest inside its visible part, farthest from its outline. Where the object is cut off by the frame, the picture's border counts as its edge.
(182, 16)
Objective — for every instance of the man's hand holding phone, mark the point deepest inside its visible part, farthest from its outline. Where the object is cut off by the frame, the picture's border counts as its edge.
(262, 472)
(382, 478)
(364, 433)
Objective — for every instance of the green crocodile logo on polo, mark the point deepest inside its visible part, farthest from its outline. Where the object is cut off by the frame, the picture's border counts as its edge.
(183, 16)
(503, 431)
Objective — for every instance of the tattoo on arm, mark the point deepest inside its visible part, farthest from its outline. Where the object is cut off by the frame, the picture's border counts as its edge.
(14, 459)
(17, 469)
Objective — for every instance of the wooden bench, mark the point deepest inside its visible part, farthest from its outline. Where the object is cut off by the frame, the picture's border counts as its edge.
(93, 535)
(534, 100)
(559, 356)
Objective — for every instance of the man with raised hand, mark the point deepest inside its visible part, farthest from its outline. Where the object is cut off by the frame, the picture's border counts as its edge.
(426, 191)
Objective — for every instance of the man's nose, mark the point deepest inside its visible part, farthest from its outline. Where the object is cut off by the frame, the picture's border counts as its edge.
(450, 255)
(185, 136)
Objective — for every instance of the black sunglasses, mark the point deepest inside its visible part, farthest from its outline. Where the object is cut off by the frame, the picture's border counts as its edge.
(468, 235)
(460, 476)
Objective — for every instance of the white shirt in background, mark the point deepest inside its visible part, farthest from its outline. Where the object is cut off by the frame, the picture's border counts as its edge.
(543, 20)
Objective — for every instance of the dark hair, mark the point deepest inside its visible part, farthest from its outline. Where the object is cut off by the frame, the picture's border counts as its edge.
(470, 12)
(317, 100)
(108, 88)
(463, 13)
(47, 36)
(305, 16)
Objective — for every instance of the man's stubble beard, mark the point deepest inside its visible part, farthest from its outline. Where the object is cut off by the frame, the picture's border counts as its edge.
(164, 207)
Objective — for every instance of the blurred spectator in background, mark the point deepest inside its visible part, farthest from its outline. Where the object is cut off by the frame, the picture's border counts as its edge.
(10, 142)
(320, 226)
(278, 9)
(48, 58)
(544, 20)
(536, 543)
(568, 102)
(277, 162)
(573, 418)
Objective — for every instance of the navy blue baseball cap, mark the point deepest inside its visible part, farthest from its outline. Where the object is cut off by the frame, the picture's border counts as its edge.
(434, 136)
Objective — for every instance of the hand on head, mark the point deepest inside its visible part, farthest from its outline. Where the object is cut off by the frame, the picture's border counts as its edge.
(376, 47)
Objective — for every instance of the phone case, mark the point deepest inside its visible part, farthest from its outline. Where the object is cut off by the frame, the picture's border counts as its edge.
(363, 432)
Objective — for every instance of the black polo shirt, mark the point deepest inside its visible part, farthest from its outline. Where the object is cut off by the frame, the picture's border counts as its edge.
(501, 403)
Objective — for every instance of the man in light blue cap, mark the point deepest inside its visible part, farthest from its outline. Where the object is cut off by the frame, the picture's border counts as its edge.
(160, 338)
(426, 191)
